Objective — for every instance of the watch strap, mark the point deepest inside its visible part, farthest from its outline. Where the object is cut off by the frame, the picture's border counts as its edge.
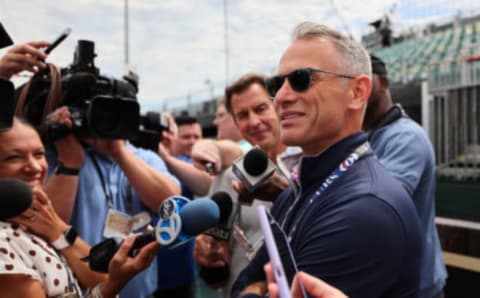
(63, 170)
(66, 239)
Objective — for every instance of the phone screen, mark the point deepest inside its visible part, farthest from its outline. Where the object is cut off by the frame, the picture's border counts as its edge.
(279, 251)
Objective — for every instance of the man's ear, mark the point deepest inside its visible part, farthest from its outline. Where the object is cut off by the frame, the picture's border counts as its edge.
(361, 91)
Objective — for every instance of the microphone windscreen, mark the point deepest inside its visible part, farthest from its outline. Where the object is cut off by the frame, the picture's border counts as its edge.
(15, 198)
(225, 204)
(198, 216)
(255, 162)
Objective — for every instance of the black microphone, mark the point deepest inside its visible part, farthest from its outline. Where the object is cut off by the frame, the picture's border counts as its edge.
(15, 198)
(253, 168)
(180, 221)
(228, 214)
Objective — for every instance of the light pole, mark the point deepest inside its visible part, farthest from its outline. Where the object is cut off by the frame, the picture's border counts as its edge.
(225, 22)
(126, 33)
(210, 86)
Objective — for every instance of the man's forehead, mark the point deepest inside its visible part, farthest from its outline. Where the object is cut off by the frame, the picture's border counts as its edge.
(188, 127)
(249, 104)
(254, 95)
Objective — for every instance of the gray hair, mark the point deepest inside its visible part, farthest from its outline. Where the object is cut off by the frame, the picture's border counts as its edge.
(354, 58)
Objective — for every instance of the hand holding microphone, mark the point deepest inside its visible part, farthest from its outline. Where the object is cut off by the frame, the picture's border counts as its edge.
(253, 168)
(180, 220)
(206, 156)
(212, 250)
(228, 214)
(258, 177)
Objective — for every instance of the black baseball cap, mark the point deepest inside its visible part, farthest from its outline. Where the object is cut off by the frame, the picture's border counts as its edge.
(378, 66)
(5, 39)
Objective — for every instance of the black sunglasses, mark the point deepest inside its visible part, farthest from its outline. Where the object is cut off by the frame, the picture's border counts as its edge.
(300, 80)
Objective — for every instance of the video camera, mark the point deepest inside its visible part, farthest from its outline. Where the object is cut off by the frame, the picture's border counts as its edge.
(100, 106)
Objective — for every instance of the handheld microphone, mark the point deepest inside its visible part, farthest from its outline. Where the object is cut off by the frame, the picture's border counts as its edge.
(228, 213)
(15, 197)
(180, 220)
(253, 168)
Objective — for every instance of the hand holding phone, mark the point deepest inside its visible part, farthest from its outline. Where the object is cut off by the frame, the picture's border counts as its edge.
(281, 257)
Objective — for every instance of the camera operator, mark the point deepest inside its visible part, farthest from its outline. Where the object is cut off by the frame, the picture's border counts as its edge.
(94, 178)
(98, 182)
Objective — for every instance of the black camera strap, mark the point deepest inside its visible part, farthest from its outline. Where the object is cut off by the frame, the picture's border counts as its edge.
(106, 190)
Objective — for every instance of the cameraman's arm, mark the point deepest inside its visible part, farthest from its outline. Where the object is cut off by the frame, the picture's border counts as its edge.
(62, 189)
(23, 57)
(196, 180)
(152, 185)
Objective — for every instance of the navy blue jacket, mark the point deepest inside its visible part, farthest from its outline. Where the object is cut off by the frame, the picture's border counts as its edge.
(361, 235)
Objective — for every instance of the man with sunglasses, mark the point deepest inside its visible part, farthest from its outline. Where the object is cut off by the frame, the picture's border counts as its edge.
(403, 147)
(348, 222)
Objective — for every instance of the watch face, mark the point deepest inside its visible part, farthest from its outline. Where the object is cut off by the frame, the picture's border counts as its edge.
(71, 235)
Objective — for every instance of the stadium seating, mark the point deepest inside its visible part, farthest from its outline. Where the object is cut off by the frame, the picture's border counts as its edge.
(438, 52)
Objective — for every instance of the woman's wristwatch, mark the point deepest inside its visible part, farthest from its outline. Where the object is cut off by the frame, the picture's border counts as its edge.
(66, 239)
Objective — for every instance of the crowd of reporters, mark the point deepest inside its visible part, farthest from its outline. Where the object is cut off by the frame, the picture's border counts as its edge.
(91, 186)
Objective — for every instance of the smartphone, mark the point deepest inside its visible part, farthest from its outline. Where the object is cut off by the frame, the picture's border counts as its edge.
(280, 253)
(57, 41)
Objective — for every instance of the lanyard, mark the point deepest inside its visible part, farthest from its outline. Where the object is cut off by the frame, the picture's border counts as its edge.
(72, 288)
(106, 190)
(357, 154)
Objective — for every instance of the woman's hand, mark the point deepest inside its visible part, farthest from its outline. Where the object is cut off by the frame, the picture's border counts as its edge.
(41, 219)
(123, 267)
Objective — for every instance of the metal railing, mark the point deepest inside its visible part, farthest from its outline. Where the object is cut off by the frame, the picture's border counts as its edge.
(454, 118)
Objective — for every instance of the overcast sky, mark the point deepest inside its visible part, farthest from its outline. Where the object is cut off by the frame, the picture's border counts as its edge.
(177, 46)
